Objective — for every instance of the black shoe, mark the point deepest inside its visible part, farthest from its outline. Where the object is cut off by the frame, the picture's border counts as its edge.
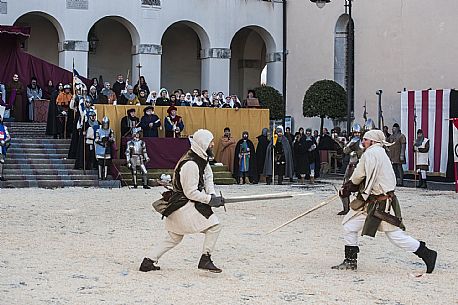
(343, 212)
(423, 185)
(148, 265)
(351, 259)
(135, 186)
(206, 263)
(427, 255)
(146, 187)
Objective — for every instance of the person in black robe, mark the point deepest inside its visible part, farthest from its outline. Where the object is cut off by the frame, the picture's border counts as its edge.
(163, 99)
(263, 142)
(245, 160)
(128, 122)
(150, 123)
(300, 157)
(141, 85)
(52, 121)
(281, 153)
(312, 156)
(86, 141)
(119, 86)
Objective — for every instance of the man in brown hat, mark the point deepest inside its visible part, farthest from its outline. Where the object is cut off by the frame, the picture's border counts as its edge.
(173, 123)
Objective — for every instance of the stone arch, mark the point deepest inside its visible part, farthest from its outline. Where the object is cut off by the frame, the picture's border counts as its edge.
(183, 69)
(250, 46)
(111, 33)
(46, 33)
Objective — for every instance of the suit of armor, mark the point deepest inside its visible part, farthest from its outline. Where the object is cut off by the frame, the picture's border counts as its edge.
(137, 156)
(104, 138)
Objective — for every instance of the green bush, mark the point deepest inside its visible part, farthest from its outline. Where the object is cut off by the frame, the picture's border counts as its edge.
(270, 98)
(325, 99)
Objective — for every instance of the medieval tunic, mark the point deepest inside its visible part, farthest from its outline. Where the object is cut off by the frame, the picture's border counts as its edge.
(187, 219)
(245, 160)
(226, 152)
(15, 94)
(261, 151)
(396, 149)
(421, 148)
(289, 165)
(378, 178)
(149, 131)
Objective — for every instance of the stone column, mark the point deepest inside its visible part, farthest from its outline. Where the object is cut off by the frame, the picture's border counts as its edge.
(74, 50)
(216, 65)
(149, 57)
(275, 70)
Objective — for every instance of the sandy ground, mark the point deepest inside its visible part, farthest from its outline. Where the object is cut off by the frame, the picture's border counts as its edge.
(84, 246)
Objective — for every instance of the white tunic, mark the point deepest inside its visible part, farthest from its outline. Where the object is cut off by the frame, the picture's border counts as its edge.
(187, 219)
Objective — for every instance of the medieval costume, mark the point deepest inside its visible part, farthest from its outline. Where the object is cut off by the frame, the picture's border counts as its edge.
(137, 156)
(128, 98)
(245, 160)
(261, 150)
(300, 157)
(189, 208)
(173, 123)
(34, 92)
(129, 122)
(152, 97)
(421, 149)
(150, 122)
(107, 96)
(5, 140)
(376, 206)
(77, 107)
(187, 100)
(93, 95)
(104, 139)
(397, 153)
(227, 149)
(86, 141)
(279, 153)
(163, 99)
(141, 85)
(142, 97)
(15, 92)
(354, 149)
(312, 156)
(65, 116)
(80, 134)
(119, 86)
(52, 122)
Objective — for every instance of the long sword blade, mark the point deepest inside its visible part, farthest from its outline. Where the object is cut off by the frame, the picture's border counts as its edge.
(329, 200)
(264, 197)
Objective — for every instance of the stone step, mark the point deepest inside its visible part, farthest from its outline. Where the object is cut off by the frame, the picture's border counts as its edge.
(40, 161)
(39, 166)
(37, 150)
(25, 125)
(52, 177)
(50, 183)
(30, 136)
(39, 141)
(38, 146)
(43, 155)
(46, 171)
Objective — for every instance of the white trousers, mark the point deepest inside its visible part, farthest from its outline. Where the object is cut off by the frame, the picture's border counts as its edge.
(173, 239)
(398, 237)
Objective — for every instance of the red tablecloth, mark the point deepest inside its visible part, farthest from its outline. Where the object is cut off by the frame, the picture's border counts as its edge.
(163, 152)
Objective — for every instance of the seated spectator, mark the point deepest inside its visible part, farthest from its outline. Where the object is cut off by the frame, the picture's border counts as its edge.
(181, 100)
(152, 97)
(129, 98)
(195, 95)
(96, 84)
(107, 96)
(187, 99)
(141, 85)
(227, 102)
(214, 101)
(235, 102)
(205, 99)
(163, 99)
(197, 102)
(173, 100)
(142, 97)
(93, 95)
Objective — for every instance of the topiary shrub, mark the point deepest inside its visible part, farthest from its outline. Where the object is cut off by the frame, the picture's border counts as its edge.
(325, 99)
(270, 98)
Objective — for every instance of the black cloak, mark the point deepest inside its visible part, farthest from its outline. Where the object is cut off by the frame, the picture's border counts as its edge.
(252, 171)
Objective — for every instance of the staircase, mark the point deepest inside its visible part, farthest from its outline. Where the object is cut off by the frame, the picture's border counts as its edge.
(221, 175)
(36, 160)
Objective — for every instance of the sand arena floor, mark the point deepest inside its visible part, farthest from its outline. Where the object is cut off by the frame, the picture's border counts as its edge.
(84, 246)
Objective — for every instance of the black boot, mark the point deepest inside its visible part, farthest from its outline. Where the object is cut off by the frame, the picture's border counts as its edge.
(280, 180)
(423, 184)
(269, 180)
(350, 261)
(420, 183)
(346, 206)
(427, 255)
(206, 263)
(148, 265)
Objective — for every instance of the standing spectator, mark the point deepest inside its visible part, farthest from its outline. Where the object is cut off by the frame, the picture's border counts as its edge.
(397, 153)
(385, 131)
(289, 136)
(227, 149)
(63, 102)
(34, 92)
(118, 86)
(279, 152)
(311, 153)
(300, 157)
(173, 123)
(3, 94)
(141, 85)
(52, 122)
(245, 160)
(48, 90)
(150, 122)
(261, 149)
(163, 99)
(15, 92)
(421, 149)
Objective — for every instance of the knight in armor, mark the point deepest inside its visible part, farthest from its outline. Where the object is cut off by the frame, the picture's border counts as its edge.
(104, 139)
(421, 149)
(91, 127)
(137, 156)
(354, 149)
(279, 152)
(5, 140)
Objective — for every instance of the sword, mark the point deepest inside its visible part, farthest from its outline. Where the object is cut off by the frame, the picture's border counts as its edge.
(264, 197)
(322, 204)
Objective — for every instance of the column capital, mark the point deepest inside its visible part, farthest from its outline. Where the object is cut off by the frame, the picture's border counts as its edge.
(274, 57)
(73, 45)
(152, 49)
(222, 53)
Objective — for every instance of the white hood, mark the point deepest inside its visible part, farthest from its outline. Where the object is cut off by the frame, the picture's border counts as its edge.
(200, 141)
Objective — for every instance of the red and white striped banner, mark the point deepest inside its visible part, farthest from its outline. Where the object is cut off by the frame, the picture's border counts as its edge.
(432, 110)
(455, 151)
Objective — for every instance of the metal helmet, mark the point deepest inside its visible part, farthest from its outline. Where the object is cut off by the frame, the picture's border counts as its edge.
(136, 130)
(356, 128)
(369, 125)
(91, 112)
(105, 122)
